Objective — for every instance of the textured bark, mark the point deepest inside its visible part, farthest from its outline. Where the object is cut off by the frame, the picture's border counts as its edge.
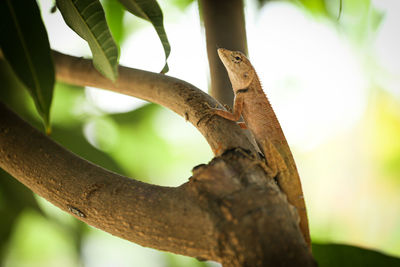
(224, 26)
(257, 226)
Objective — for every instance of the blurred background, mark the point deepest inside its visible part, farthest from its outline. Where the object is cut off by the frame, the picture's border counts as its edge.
(333, 79)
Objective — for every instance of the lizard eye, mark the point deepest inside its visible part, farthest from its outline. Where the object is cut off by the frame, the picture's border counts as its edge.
(236, 58)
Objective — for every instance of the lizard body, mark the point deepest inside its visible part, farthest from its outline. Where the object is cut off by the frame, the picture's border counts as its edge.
(252, 104)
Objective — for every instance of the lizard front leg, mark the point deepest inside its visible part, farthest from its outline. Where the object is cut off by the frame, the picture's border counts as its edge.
(232, 116)
(237, 110)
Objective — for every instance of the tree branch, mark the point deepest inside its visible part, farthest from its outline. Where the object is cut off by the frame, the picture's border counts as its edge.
(177, 95)
(229, 211)
(142, 213)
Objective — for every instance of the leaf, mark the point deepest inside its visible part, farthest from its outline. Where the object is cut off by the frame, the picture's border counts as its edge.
(87, 19)
(151, 11)
(332, 255)
(26, 47)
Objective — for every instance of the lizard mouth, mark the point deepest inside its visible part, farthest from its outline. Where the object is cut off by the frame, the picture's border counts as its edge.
(222, 53)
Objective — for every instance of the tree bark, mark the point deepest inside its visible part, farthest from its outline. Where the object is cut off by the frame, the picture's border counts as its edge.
(230, 211)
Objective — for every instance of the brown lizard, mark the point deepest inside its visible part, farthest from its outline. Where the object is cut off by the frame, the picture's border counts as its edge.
(252, 104)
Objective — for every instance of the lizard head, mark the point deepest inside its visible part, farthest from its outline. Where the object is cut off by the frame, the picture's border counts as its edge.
(240, 71)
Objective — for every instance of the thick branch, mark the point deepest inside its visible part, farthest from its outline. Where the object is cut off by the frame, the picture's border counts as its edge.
(146, 214)
(177, 95)
(229, 211)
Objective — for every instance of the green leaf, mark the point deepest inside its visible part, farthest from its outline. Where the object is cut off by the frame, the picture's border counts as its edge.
(87, 19)
(26, 47)
(332, 255)
(151, 11)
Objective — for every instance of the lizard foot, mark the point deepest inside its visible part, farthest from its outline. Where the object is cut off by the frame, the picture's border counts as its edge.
(228, 108)
(242, 125)
(245, 153)
(271, 172)
(209, 113)
(210, 107)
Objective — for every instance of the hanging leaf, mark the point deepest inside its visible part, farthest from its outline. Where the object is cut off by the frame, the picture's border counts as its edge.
(151, 11)
(87, 19)
(26, 47)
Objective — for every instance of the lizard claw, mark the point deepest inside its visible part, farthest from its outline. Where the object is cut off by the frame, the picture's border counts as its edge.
(210, 107)
(228, 108)
(209, 113)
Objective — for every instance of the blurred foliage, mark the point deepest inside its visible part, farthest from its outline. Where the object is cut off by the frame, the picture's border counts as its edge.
(333, 255)
(386, 134)
(359, 19)
(317, 7)
(173, 260)
(38, 241)
(181, 4)
(15, 198)
(314, 6)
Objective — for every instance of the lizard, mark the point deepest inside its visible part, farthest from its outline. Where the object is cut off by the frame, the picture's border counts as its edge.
(253, 105)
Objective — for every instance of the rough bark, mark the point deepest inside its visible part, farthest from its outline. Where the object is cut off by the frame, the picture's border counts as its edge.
(229, 211)
(224, 26)
(256, 225)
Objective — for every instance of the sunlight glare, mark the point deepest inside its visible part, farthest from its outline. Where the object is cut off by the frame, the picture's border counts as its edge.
(112, 102)
(310, 73)
(387, 46)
